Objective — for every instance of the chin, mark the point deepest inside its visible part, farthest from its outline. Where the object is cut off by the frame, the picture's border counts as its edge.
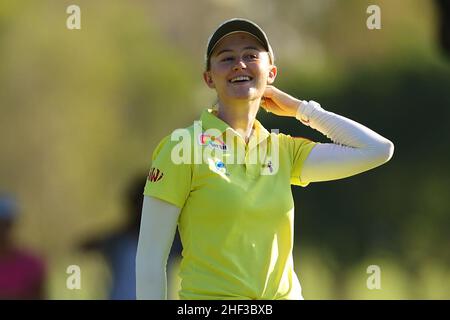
(247, 94)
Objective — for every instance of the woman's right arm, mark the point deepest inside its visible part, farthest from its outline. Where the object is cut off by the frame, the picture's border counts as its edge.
(158, 226)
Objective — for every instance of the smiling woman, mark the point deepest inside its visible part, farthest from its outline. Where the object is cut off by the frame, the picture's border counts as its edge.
(238, 70)
(235, 210)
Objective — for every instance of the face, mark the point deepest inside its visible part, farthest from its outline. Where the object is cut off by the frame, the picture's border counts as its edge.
(240, 68)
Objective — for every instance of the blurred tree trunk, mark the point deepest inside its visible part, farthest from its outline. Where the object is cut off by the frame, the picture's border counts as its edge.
(444, 24)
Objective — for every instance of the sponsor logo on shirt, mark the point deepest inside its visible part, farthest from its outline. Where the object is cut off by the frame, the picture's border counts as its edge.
(269, 165)
(219, 167)
(211, 141)
(155, 175)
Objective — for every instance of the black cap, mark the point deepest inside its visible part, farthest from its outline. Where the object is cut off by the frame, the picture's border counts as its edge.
(237, 25)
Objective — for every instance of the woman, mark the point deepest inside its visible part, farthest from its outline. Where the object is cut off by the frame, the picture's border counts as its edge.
(236, 217)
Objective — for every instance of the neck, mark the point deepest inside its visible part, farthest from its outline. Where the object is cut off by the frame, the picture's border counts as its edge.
(239, 115)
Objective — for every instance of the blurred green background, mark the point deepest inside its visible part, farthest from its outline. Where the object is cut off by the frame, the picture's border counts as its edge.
(82, 110)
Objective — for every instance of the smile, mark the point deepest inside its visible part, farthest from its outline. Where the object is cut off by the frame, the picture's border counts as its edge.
(240, 79)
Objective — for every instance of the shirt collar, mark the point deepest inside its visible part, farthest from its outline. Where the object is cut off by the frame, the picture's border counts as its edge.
(210, 120)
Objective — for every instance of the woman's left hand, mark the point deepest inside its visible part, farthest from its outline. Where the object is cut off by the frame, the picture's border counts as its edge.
(278, 102)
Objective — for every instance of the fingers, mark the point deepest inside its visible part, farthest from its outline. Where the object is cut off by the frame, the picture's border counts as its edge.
(270, 106)
(269, 91)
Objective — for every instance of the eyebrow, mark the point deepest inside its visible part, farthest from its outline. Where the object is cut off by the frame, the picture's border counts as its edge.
(228, 50)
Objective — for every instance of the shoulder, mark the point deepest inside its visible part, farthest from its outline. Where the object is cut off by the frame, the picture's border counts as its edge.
(288, 138)
(290, 141)
(296, 148)
(175, 138)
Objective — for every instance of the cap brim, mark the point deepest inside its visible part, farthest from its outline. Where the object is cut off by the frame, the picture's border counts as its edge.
(233, 26)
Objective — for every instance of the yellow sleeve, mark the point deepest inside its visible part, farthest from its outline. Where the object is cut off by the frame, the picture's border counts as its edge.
(166, 180)
(299, 149)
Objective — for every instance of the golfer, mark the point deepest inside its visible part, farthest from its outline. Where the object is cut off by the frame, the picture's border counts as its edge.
(233, 204)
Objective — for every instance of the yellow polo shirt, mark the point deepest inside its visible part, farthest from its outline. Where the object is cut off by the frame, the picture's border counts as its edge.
(237, 210)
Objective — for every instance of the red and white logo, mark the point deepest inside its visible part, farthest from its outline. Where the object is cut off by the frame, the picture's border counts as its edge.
(155, 175)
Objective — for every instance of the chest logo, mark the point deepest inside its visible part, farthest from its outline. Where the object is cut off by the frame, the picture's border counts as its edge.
(219, 167)
(269, 166)
(212, 141)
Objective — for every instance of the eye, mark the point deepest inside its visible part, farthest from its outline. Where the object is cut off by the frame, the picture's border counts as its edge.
(251, 56)
(226, 59)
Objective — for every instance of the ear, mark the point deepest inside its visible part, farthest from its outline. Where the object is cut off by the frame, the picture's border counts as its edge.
(208, 79)
(272, 74)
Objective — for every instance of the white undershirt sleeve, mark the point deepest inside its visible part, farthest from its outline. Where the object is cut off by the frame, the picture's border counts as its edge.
(355, 148)
(158, 226)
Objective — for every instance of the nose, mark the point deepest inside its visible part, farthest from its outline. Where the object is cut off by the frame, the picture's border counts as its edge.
(239, 65)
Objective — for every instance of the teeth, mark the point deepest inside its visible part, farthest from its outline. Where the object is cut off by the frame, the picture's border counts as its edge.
(240, 78)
